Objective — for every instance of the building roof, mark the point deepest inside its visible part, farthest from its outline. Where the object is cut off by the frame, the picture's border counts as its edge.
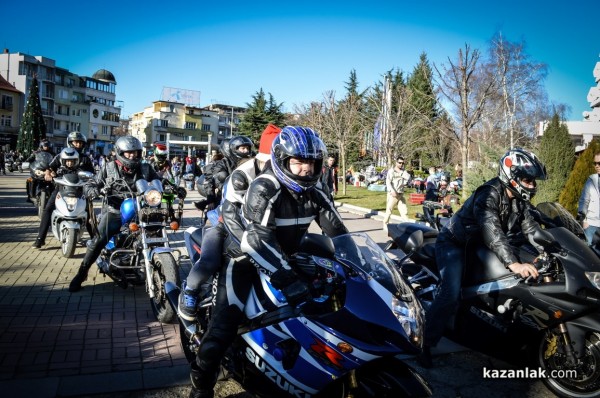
(103, 74)
(6, 86)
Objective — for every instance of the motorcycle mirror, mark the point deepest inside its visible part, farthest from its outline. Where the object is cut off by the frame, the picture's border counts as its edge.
(85, 175)
(318, 245)
(415, 240)
(543, 238)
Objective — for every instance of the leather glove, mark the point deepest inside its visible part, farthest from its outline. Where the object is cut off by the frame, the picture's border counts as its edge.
(211, 206)
(181, 193)
(294, 290)
(93, 194)
(580, 218)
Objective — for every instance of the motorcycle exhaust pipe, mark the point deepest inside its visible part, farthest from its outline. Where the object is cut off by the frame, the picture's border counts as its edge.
(172, 292)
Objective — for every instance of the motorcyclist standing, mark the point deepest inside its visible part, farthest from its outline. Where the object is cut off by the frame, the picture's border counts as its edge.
(66, 162)
(279, 206)
(31, 186)
(496, 211)
(127, 167)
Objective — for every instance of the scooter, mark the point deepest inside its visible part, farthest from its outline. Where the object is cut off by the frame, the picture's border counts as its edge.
(70, 214)
(344, 342)
(551, 322)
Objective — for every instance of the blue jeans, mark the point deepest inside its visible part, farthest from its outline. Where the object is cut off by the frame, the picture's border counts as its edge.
(210, 257)
(589, 233)
(449, 257)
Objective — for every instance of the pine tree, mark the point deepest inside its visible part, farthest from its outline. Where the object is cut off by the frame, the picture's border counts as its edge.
(584, 166)
(33, 126)
(259, 114)
(557, 152)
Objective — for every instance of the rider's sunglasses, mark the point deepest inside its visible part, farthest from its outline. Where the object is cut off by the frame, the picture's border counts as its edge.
(596, 163)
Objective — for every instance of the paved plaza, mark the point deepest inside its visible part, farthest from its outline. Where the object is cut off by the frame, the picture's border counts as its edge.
(104, 341)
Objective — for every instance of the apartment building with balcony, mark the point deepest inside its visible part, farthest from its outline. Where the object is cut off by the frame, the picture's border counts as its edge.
(69, 102)
(177, 121)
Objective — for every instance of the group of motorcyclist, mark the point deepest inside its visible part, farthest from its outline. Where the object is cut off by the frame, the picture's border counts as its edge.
(264, 203)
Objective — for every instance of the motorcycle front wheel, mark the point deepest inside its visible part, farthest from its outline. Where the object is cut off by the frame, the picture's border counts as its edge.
(68, 239)
(581, 381)
(165, 270)
(41, 204)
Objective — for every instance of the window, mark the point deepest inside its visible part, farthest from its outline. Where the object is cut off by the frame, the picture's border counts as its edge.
(206, 127)
(104, 130)
(161, 137)
(6, 120)
(162, 123)
(190, 125)
(7, 102)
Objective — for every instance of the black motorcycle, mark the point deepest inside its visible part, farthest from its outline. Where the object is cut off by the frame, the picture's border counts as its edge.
(551, 321)
(41, 188)
(437, 216)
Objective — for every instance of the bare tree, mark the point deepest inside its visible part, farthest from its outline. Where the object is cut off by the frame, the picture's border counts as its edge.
(519, 87)
(402, 121)
(467, 88)
(338, 122)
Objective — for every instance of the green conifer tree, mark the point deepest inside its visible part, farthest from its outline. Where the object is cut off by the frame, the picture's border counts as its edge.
(259, 114)
(584, 166)
(557, 152)
(33, 126)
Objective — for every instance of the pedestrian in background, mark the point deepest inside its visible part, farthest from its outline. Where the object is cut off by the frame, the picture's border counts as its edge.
(397, 178)
(588, 212)
(329, 178)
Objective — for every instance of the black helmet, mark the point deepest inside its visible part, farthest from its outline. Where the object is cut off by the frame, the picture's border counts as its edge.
(235, 155)
(69, 154)
(518, 164)
(225, 148)
(76, 136)
(297, 142)
(46, 144)
(128, 144)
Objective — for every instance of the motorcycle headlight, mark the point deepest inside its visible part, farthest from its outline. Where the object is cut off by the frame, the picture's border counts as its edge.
(153, 197)
(410, 316)
(594, 278)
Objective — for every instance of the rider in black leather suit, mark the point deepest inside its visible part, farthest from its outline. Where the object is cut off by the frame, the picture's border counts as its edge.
(492, 213)
(279, 206)
(126, 166)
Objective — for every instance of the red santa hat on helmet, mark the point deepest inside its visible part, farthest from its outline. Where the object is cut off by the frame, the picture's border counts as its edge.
(266, 140)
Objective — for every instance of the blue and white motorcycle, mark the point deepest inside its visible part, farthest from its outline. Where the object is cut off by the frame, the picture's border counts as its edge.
(345, 342)
(140, 253)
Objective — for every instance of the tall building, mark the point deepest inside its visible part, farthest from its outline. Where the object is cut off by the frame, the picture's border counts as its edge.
(582, 132)
(70, 102)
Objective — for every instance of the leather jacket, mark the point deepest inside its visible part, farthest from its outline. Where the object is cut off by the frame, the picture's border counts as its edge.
(491, 217)
(118, 192)
(278, 219)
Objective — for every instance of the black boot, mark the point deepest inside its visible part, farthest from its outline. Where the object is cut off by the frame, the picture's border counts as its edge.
(203, 382)
(81, 276)
(38, 243)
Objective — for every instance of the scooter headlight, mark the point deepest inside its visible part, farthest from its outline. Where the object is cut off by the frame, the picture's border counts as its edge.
(594, 278)
(153, 197)
(410, 316)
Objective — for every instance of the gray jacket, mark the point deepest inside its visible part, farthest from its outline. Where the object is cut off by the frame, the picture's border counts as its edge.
(589, 201)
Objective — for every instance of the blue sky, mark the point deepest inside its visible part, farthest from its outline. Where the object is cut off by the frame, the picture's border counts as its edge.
(229, 50)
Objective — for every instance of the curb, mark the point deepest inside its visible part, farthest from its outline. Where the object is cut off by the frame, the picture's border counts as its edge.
(368, 213)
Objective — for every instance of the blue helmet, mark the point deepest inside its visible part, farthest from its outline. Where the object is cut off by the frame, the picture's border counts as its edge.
(297, 142)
